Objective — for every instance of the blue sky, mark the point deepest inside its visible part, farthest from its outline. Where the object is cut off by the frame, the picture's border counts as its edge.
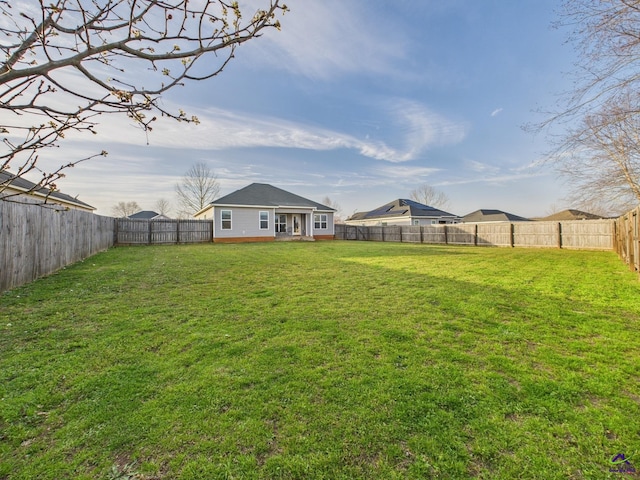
(363, 101)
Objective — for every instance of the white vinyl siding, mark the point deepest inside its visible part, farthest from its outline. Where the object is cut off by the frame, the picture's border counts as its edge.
(245, 223)
(323, 224)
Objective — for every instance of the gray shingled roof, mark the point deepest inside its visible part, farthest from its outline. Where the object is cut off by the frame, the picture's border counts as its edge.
(144, 215)
(571, 214)
(402, 207)
(19, 183)
(264, 195)
(487, 215)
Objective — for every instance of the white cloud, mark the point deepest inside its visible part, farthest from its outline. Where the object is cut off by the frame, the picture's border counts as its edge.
(480, 167)
(496, 112)
(492, 179)
(424, 128)
(322, 38)
(415, 126)
(398, 172)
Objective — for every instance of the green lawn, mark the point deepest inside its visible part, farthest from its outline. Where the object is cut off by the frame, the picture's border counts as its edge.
(322, 360)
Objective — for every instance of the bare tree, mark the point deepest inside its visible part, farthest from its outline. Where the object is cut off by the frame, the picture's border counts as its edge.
(602, 160)
(67, 62)
(428, 195)
(553, 209)
(198, 188)
(598, 150)
(163, 207)
(124, 209)
(337, 216)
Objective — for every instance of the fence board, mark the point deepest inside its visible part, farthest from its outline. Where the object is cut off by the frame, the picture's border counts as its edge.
(434, 234)
(461, 234)
(536, 234)
(626, 240)
(36, 241)
(579, 234)
(376, 234)
(392, 233)
(158, 232)
(597, 234)
(495, 234)
(411, 234)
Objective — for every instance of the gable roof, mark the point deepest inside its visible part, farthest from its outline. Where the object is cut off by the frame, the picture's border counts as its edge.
(488, 215)
(144, 215)
(402, 207)
(265, 195)
(21, 184)
(571, 214)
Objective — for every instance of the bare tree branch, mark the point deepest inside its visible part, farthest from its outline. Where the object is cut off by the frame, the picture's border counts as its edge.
(598, 150)
(163, 206)
(117, 56)
(337, 216)
(125, 209)
(198, 188)
(428, 195)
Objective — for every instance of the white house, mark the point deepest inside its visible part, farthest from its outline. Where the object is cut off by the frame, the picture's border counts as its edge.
(260, 212)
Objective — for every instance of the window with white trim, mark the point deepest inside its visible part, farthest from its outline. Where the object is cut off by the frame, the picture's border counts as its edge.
(320, 221)
(264, 220)
(225, 216)
(281, 223)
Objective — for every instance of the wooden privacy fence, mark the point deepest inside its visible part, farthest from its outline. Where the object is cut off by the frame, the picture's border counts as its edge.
(36, 241)
(627, 238)
(157, 232)
(578, 234)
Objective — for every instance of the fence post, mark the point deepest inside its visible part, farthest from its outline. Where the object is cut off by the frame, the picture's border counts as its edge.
(446, 237)
(559, 235)
(421, 234)
(178, 231)
(149, 232)
(636, 238)
(475, 235)
(512, 234)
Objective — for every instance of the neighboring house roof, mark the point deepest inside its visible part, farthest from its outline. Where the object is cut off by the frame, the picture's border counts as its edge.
(571, 214)
(401, 207)
(358, 216)
(486, 215)
(146, 215)
(19, 184)
(264, 195)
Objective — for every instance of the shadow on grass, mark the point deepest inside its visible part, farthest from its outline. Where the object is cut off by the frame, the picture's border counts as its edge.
(212, 362)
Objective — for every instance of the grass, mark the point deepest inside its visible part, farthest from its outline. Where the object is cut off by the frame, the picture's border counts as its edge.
(322, 360)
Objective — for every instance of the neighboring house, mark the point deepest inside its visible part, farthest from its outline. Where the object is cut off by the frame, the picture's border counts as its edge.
(261, 212)
(18, 187)
(402, 212)
(148, 215)
(486, 215)
(571, 214)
